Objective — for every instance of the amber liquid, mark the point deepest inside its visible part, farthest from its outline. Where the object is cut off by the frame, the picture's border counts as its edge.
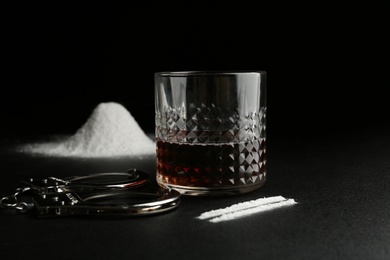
(211, 165)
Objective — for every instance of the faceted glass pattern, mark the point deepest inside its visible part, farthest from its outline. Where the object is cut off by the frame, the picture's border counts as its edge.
(209, 125)
(210, 132)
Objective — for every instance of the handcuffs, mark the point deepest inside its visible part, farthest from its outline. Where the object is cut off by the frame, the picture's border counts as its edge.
(99, 194)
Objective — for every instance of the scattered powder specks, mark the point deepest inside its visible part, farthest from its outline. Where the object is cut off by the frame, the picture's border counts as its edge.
(246, 208)
(110, 131)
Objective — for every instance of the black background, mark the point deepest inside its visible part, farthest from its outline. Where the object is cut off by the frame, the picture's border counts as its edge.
(327, 135)
(325, 63)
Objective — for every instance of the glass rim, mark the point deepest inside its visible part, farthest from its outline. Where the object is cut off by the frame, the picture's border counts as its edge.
(207, 73)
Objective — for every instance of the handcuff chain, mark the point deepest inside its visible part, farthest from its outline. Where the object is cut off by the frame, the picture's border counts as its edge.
(12, 201)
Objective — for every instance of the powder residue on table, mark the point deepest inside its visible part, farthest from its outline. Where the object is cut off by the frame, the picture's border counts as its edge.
(109, 131)
(247, 208)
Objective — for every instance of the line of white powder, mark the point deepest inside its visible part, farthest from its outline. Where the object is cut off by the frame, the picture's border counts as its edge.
(246, 208)
(241, 206)
(250, 211)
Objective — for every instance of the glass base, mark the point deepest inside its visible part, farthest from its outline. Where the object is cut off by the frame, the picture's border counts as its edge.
(214, 191)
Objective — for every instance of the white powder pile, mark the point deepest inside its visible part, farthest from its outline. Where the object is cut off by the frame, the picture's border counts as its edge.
(110, 131)
(246, 208)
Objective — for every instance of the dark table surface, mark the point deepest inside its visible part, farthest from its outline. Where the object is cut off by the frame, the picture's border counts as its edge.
(341, 184)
